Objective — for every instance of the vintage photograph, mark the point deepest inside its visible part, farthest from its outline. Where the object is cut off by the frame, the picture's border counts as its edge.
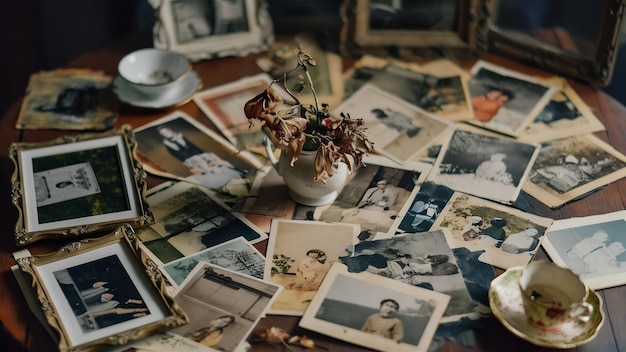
(204, 29)
(188, 220)
(565, 115)
(484, 165)
(374, 196)
(443, 94)
(392, 316)
(299, 254)
(68, 99)
(570, 168)
(398, 129)
(236, 255)
(178, 146)
(223, 306)
(86, 182)
(592, 247)
(95, 293)
(506, 101)
(424, 208)
(418, 259)
(503, 236)
(223, 105)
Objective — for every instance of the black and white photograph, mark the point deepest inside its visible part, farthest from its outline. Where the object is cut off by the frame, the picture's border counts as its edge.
(374, 311)
(374, 196)
(96, 294)
(506, 101)
(484, 165)
(503, 236)
(87, 182)
(299, 254)
(425, 208)
(236, 255)
(223, 306)
(203, 29)
(570, 168)
(68, 99)
(418, 259)
(443, 95)
(398, 129)
(188, 220)
(593, 247)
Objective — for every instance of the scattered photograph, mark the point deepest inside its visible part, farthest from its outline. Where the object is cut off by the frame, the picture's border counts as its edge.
(592, 247)
(506, 101)
(223, 306)
(374, 196)
(399, 130)
(237, 255)
(571, 168)
(424, 208)
(427, 87)
(418, 259)
(504, 236)
(484, 165)
(188, 220)
(299, 254)
(374, 311)
(68, 99)
(565, 115)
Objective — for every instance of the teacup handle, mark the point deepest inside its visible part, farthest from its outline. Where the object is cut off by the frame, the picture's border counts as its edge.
(582, 312)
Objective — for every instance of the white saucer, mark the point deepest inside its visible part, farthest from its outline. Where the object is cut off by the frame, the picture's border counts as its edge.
(506, 304)
(180, 94)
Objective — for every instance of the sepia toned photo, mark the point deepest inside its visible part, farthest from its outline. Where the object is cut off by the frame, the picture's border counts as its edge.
(299, 254)
(506, 101)
(502, 236)
(592, 247)
(235, 255)
(68, 99)
(223, 306)
(399, 130)
(392, 316)
(572, 167)
(484, 165)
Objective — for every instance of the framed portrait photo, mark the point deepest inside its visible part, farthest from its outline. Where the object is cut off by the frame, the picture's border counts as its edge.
(204, 29)
(101, 292)
(78, 184)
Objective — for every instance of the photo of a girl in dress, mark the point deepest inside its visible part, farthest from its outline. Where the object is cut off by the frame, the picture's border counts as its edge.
(310, 271)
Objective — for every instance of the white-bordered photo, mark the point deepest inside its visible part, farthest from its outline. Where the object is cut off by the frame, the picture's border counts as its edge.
(565, 115)
(501, 235)
(374, 311)
(398, 129)
(591, 246)
(204, 29)
(223, 306)
(504, 100)
(236, 255)
(223, 105)
(300, 253)
(178, 146)
(424, 208)
(96, 292)
(484, 165)
(78, 184)
(188, 220)
(375, 195)
(569, 168)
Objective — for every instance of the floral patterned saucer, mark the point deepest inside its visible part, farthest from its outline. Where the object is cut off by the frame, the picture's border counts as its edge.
(506, 304)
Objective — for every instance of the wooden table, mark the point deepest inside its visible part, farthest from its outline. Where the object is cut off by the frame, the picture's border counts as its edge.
(25, 333)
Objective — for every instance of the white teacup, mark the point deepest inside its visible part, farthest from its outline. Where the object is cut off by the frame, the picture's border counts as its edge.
(153, 72)
(553, 295)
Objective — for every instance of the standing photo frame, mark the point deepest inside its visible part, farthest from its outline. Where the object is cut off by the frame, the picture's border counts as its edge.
(101, 292)
(76, 185)
(205, 29)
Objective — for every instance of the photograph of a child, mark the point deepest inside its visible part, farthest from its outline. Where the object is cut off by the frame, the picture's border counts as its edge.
(392, 316)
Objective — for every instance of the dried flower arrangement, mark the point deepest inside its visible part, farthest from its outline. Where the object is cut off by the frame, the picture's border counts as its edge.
(293, 126)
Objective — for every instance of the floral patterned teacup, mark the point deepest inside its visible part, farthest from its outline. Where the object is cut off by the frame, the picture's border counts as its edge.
(553, 295)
